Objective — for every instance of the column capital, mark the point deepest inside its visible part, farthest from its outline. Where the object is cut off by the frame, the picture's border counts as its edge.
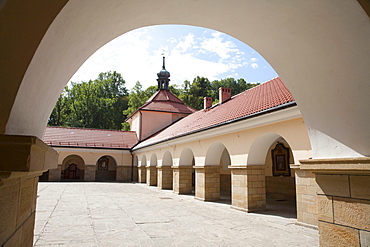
(26, 154)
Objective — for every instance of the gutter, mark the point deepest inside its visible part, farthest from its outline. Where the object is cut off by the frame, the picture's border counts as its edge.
(272, 109)
(55, 146)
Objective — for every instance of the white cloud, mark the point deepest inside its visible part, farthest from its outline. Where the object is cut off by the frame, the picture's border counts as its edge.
(137, 56)
(254, 65)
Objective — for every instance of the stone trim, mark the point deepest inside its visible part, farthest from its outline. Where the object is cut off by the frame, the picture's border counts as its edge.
(337, 165)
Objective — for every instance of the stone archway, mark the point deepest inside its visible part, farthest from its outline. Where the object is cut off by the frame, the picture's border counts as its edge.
(184, 174)
(106, 168)
(164, 172)
(151, 171)
(142, 170)
(209, 184)
(73, 168)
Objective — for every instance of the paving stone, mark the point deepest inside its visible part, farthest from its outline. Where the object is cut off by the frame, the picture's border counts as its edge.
(124, 214)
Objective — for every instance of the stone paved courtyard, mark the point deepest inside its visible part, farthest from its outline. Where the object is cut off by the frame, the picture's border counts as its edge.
(125, 214)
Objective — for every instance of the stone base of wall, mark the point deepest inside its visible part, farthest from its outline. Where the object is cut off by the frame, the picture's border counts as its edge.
(151, 175)
(89, 173)
(248, 188)
(164, 177)
(306, 189)
(182, 179)
(123, 173)
(343, 200)
(207, 183)
(55, 174)
(141, 174)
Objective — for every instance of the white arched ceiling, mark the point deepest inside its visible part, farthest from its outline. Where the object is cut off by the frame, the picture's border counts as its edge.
(143, 161)
(214, 154)
(153, 160)
(319, 48)
(186, 157)
(257, 152)
(167, 159)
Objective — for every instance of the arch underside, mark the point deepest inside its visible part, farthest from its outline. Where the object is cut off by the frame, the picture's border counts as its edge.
(323, 58)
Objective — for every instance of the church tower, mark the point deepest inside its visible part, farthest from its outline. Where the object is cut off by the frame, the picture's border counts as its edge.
(163, 77)
(160, 110)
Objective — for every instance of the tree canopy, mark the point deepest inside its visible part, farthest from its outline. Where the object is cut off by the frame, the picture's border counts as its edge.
(104, 103)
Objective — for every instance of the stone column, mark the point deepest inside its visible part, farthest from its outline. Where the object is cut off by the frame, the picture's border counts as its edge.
(248, 189)
(22, 160)
(55, 174)
(141, 170)
(306, 189)
(165, 177)
(89, 173)
(123, 173)
(343, 200)
(182, 179)
(151, 175)
(207, 183)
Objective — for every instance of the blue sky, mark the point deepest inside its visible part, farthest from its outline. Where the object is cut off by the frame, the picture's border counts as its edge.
(190, 51)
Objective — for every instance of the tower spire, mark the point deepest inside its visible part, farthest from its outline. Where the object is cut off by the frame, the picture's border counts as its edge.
(163, 77)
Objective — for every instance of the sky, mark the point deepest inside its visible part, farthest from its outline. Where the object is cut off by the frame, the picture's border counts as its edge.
(190, 52)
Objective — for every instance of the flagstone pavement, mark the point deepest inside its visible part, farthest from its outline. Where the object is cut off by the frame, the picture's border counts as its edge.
(128, 214)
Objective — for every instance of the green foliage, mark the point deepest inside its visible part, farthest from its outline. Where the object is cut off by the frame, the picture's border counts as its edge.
(93, 104)
(193, 93)
(104, 103)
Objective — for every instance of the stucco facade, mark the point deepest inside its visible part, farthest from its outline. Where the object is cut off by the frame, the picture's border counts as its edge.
(319, 48)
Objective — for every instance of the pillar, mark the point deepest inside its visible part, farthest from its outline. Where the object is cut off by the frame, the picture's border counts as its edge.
(22, 160)
(165, 177)
(182, 179)
(207, 183)
(151, 175)
(123, 173)
(55, 174)
(89, 173)
(343, 200)
(141, 170)
(248, 189)
(306, 189)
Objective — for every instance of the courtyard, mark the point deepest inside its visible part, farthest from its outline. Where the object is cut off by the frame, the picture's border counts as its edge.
(128, 214)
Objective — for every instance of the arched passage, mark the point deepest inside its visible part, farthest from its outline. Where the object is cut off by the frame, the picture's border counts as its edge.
(142, 170)
(214, 178)
(73, 167)
(165, 174)
(183, 174)
(151, 171)
(106, 168)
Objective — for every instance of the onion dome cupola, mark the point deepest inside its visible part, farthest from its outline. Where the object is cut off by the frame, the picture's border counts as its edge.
(163, 77)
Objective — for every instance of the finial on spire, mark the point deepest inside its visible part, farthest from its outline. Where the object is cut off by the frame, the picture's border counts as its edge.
(163, 66)
(163, 76)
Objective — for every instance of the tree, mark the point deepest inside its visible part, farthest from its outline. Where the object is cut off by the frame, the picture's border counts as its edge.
(92, 104)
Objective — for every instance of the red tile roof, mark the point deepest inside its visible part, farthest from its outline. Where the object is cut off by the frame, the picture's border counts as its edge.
(260, 98)
(89, 138)
(165, 101)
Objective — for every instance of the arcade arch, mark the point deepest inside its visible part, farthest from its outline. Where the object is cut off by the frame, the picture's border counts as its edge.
(106, 168)
(151, 171)
(142, 170)
(165, 174)
(73, 167)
